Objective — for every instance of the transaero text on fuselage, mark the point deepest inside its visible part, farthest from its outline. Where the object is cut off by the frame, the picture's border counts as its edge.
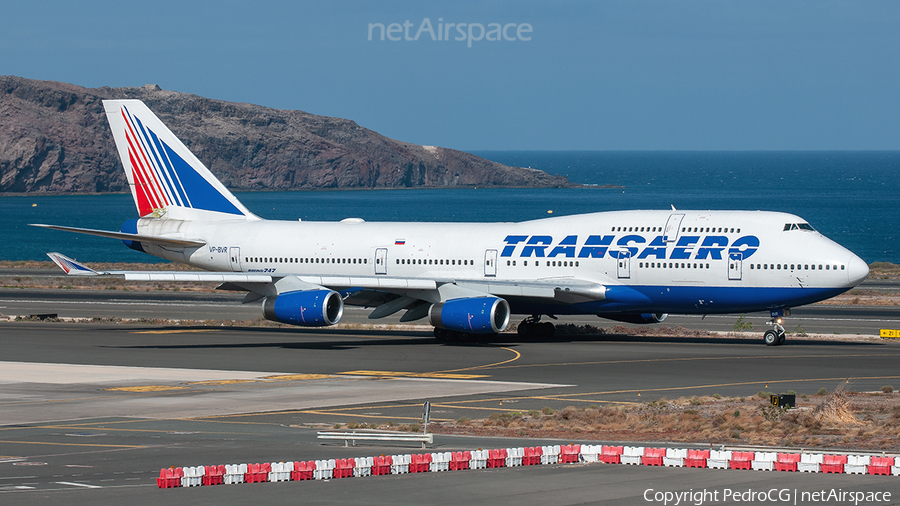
(688, 247)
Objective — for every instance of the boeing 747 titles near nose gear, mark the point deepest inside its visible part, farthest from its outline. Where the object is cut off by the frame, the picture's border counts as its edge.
(465, 278)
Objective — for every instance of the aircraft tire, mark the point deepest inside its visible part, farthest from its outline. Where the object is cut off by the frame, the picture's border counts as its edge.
(442, 334)
(525, 329)
(771, 338)
(781, 339)
(547, 329)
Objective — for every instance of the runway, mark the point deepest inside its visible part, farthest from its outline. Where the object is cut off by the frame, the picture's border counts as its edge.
(132, 398)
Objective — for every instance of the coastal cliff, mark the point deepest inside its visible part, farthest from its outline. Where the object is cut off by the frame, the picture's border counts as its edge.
(54, 138)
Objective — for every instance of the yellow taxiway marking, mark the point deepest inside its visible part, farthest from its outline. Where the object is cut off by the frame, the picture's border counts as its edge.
(299, 377)
(221, 382)
(496, 364)
(71, 444)
(173, 331)
(145, 388)
(440, 375)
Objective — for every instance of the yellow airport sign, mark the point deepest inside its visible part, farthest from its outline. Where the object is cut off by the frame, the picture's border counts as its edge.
(888, 333)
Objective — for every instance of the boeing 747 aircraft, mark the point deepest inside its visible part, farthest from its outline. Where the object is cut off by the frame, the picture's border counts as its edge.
(465, 278)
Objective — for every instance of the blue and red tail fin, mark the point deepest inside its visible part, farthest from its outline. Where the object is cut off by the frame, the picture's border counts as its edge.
(166, 179)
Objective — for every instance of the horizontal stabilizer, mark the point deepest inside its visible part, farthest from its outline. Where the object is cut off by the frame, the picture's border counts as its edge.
(71, 267)
(162, 241)
(74, 268)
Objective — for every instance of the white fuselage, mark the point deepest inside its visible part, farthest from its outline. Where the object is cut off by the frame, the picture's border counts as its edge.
(678, 261)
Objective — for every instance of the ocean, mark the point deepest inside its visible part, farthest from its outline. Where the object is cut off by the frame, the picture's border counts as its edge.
(851, 197)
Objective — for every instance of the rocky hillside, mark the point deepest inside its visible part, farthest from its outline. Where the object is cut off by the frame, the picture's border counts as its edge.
(54, 138)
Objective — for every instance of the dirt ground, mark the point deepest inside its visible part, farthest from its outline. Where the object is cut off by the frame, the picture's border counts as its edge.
(836, 420)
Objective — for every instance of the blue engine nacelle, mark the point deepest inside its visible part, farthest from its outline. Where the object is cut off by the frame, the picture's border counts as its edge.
(307, 308)
(475, 315)
(637, 318)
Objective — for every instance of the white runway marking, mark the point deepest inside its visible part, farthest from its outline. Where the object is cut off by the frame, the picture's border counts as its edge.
(38, 372)
(73, 484)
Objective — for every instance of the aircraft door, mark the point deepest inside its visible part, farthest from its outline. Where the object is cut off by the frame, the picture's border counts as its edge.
(735, 266)
(235, 254)
(624, 268)
(490, 263)
(673, 227)
(381, 261)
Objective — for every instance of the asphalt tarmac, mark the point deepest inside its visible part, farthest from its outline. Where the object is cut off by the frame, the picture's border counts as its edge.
(89, 413)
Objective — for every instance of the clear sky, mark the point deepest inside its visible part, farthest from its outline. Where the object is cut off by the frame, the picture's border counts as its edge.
(573, 75)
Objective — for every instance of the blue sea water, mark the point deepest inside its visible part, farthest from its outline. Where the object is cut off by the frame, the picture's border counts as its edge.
(852, 197)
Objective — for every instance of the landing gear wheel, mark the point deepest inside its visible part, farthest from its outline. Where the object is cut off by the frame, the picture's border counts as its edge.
(771, 338)
(533, 327)
(780, 340)
(547, 329)
(525, 329)
(442, 334)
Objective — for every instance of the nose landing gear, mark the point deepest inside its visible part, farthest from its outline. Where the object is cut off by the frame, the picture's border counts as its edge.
(775, 337)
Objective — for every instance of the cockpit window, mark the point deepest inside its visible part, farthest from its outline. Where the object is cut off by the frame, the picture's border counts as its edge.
(798, 226)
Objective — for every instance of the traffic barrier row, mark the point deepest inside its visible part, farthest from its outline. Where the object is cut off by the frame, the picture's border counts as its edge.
(513, 457)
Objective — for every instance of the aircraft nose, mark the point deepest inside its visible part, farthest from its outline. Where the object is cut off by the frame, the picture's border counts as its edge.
(857, 270)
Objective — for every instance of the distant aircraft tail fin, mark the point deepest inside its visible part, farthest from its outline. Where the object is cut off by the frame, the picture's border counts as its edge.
(166, 179)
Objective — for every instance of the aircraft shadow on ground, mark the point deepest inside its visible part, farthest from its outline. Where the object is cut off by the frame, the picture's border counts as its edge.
(346, 339)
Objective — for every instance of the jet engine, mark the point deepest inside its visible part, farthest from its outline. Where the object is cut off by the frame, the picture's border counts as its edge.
(306, 308)
(474, 315)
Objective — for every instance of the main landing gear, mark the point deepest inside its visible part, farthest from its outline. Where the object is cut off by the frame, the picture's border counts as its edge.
(532, 327)
(775, 337)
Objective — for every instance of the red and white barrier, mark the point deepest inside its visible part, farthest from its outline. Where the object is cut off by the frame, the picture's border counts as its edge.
(514, 457)
(400, 464)
(460, 461)
(590, 453)
(787, 461)
(611, 454)
(382, 465)
(169, 478)
(880, 465)
(833, 464)
(811, 463)
(359, 467)
(479, 459)
(674, 457)
(856, 464)
(363, 467)
(303, 470)
(719, 459)
(697, 458)
(741, 460)
(632, 455)
(550, 454)
(763, 461)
